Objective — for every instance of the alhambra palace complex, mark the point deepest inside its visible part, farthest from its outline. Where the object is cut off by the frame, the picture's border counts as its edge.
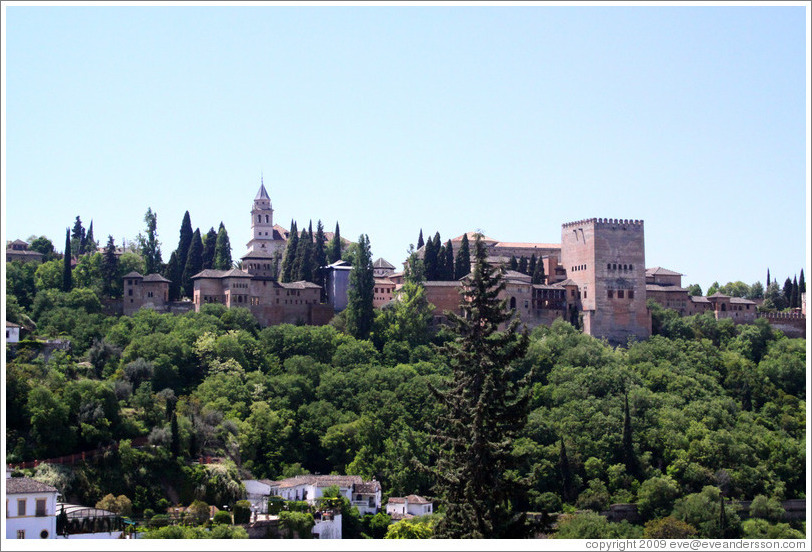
(596, 277)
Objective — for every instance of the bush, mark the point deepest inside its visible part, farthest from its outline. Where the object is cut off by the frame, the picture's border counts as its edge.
(242, 512)
(297, 524)
(222, 517)
(668, 528)
(159, 520)
(275, 505)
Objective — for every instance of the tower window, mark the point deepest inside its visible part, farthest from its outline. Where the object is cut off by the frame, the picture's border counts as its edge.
(266, 218)
(608, 267)
(620, 294)
(631, 294)
(259, 218)
(610, 294)
(614, 266)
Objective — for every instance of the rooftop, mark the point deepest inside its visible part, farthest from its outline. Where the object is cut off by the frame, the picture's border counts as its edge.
(660, 271)
(319, 481)
(21, 485)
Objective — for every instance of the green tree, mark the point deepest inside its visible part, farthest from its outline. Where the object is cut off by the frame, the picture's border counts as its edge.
(297, 524)
(78, 237)
(222, 250)
(627, 447)
(289, 261)
(462, 265)
(656, 496)
(756, 291)
(420, 242)
(305, 255)
(430, 260)
(194, 264)
(119, 505)
(538, 273)
(694, 290)
(448, 265)
(409, 529)
(795, 297)
(708, 513)
(360, 313)
(787, 292)
(90, 242)
(668, 528)
(523, 265)
(209, 246)
(483, 410)
(319, 255)
(149, 245)
(67, 283)
(334, 249)
(802, 283)
(171, 273)
(46, 247)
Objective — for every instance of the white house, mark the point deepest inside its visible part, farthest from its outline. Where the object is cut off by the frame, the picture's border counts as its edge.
(366, 496)
(410, 506)
(12, 332)
(30, 509)
(257, 492)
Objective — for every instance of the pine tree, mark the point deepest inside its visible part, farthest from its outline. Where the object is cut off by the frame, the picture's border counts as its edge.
(538, 273)
(334, 249)
(448, 265)
(462, 266)
(109, 268)
(209, 247)
(170, 273)
(90, 243)
(222, 250)
(151, 249)
(289, 261)
(360, 313)
(194, 264)
(420, 242)
(482, 410)
(67, 282)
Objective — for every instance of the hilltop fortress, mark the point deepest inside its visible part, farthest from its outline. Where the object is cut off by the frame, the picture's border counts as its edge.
(596, 278)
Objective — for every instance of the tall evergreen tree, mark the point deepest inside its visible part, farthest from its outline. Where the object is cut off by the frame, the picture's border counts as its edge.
(768, 278)
(109, 268)
(462, 266)
(802, 283)
(78, 237)
(787, 289)
(538, 273)
(150, 247)
(795, 298)
(440, 268)
(174, 446)
(567, 483)
(209, 248)
(319, 257)
(420, 242)
(513, 264)
(304, 255)
(90, 242)
(67, 279)
(531, 266)
(627, 453)
(448, 265)
(194, 264)
(222, 250)
(523, 264)
(170, 273)
(184, 241)
(334, 249)
(289, 262)
(360, 313)
(482, 411)
(430, 260)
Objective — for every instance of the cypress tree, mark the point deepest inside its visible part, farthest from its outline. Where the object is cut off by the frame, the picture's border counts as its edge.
(304, 255)
(209, 248)
(109, 268)
(170, 273)
(795, 300)
(628, 456)
(90, 243)
(360, 314)
(462, 266)
(194, 264)
(175, 443)
(184, 241)
(482, 410)
(289, 260)
(768, 278)
(788, 292)
(67, 282)
(802, 283)
(334, 249)
(513, 264)
(222, 250)
(523, 265)
(567, 486)
(538, 273)
(78, 237)
(151, 249)
(531, 266)
(420, 242)
(430, 261)
(448, 265)
(319, 256)
(440, 267)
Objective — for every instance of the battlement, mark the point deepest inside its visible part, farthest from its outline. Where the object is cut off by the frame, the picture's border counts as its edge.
(603, 221)
(781, 315)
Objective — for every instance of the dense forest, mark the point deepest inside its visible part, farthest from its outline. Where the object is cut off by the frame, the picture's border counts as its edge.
(702, 413)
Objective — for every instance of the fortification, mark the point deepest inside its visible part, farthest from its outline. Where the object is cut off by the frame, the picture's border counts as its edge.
(606, 259)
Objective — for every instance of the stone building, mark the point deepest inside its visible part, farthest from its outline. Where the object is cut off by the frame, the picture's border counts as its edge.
(150, 291)
(18, 251)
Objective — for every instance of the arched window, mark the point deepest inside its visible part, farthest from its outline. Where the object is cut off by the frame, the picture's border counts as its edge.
(259, 218)
(266, 218)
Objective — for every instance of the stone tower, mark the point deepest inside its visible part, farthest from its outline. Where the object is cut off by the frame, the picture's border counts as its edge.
(267, 245)
(606, 259)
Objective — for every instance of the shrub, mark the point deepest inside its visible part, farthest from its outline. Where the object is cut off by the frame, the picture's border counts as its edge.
(297, 524)
(242, 512)
(668, 528)
(222, 517)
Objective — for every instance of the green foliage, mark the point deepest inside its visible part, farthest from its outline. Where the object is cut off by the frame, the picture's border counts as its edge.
(222, 250)
(590, 525)
(376, 526)
(411, 529)
(149, 247)
(359, 312)
(187, 532)
(297, 524)
(656, 496)
(763, 529)
(668, 528)
(704, 511)
(120, 504)
(242, 512)
(769, 509)
(67, 283)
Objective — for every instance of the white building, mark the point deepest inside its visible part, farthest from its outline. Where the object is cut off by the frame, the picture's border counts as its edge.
(257, 492)
(12, 332)
(366, 496)
(30, 509)
(410, 506)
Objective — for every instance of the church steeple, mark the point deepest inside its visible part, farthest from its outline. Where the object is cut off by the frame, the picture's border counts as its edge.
(262, 193)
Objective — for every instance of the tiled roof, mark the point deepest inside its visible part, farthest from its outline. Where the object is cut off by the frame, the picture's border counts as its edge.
(19, 242)
(472, 238)
(567, 282)
(396, 516)
(258, 255)
(719, 295)
(658, 287)
(262, 193)
(442, 283)
(367, 488)
(529, 245)
(699, 299)
(25, 252)
(382, 263)
(236, 273)
(396, 500)
(417, 499)
(301, 284)
(742, 301)
(133, 274)
(17, 485)
(209, 273)
(155, 278)
(12, 325)
(662, 272)
(319, 481)
(384, 281)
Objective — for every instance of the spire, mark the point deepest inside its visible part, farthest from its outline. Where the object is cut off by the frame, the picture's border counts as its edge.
(262, 193)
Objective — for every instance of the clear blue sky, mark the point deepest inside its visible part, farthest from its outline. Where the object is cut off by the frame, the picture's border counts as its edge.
(390, 119)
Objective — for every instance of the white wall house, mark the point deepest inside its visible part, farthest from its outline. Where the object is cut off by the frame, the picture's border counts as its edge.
(366, 496)
(30, 509)
(12, 332)
(257, 492)
(409, 506)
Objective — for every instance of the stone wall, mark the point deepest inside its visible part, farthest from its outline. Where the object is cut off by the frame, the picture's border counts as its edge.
(793, 324)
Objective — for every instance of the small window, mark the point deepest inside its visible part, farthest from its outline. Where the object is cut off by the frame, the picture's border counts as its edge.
(20, 533)
(40, 507)
(620, 294)
(584, 294)
(608, 267)
(614, 266)
(610, 293)
(631, 294)
(43, 534)
(20, 506)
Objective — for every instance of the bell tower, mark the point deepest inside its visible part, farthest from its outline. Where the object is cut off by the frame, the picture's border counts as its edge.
(261, 216)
